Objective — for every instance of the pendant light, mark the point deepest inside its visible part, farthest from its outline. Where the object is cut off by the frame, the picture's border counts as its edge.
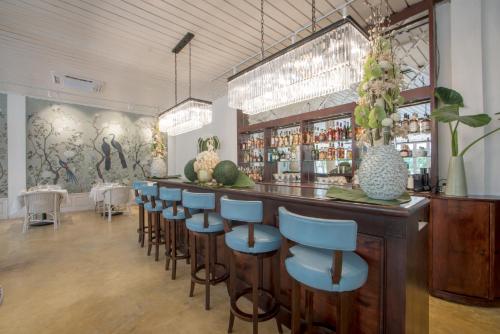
(190, 114)
(328, 61)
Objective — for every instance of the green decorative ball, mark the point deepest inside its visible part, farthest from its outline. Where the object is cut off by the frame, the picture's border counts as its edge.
(189, 172)
(226, 172)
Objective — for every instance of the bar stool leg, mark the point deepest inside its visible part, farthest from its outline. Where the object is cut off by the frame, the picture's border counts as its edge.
(173, 252)
(207, 272)
(156, 219)
(295, 307)
(275, 280)
(345, 305)
(255, 295)
(168, 248)
(194, 262)
(186, 242)
(141, 225)
(150, 233)
(232, 290)
(309, 310)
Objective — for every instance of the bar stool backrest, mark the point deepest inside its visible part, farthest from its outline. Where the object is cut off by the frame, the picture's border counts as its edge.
(201, 201)
(149, 193)
(170, 197)
(170, 194)
(137, 185)
(333, 234)
(243, 211)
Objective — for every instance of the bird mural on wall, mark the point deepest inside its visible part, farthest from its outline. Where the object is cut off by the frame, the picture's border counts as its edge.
(106, 150)
(70, 176)
(118, 147)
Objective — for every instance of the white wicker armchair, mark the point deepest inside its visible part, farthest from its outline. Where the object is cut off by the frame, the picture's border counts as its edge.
(115, 199)
(39, 203)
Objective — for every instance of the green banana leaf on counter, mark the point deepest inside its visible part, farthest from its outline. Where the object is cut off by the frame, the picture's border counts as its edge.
(358, 195)
(242, 182)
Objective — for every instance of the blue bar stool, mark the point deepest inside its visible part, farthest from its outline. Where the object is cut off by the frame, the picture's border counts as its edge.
(323, 261)
(206, 225)
(173, 215)
(153, 207)
(258, 241)
(137, 185)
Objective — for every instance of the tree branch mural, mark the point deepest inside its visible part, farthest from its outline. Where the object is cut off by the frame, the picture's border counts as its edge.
(77, 145)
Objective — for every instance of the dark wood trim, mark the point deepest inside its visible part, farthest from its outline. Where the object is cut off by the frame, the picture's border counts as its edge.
(410, 11)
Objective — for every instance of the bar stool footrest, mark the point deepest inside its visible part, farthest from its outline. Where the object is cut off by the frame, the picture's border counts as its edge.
(262, 316)
(213, 281)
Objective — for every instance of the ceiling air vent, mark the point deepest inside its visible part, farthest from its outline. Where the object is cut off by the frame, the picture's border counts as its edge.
(77, 83)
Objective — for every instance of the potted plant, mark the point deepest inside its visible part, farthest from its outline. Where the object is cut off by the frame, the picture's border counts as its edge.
(448, 111)
(383, 174)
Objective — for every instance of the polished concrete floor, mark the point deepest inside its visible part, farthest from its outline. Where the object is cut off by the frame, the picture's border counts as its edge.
(90, 276)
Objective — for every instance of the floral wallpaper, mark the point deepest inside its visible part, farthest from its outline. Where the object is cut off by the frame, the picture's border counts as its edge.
(3, 145)
(76, 146)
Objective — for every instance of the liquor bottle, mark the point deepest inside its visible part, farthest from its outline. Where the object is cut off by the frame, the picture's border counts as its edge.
(405, 151)
(425, 124)
(405, 123)
(414, 126)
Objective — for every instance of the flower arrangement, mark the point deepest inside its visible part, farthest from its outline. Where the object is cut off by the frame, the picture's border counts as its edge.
(206, 160)
(379, 91)
(157, 146)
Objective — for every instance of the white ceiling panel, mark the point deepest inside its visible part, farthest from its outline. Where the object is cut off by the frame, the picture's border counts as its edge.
(128, 43)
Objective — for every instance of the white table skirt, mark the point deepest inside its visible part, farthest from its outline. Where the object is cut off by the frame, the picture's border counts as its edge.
(20, 198)
(97, 192)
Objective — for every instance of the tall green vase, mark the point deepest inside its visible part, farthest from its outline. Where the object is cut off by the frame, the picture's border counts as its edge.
(456, 184)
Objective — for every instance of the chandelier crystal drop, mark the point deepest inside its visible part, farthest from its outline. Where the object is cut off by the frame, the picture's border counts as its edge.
(327, 62)
(191, 114)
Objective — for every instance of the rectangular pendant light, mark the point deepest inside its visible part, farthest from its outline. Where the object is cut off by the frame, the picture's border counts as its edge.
(328, 61)
(191, 114)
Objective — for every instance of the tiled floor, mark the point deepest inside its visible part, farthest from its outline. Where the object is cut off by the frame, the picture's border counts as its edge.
(91, 277)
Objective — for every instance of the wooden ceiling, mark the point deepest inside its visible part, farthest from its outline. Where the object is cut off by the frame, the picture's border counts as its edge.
(127, 43)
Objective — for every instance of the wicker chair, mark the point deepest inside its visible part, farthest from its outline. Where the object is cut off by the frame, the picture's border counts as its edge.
(42, 206)
(116, 198)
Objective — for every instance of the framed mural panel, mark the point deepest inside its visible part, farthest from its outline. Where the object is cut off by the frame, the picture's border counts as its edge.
(3, 145)
(76, 146)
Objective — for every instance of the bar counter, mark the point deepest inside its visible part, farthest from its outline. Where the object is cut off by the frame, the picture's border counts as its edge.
(392, 239)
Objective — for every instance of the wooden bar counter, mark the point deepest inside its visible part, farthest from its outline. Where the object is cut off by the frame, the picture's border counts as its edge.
(393, 240)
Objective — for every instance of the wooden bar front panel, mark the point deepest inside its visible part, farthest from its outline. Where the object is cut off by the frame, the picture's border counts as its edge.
(461, 256)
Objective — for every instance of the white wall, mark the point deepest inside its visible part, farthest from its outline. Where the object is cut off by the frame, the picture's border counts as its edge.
(467, 39)
(183, 148)
(16, 139)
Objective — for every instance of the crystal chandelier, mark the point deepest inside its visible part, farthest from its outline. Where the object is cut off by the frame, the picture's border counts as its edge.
(327, 61)
(191, 114)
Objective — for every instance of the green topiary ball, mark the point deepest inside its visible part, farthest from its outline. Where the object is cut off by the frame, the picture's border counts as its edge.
(226, 172)
(189, 172)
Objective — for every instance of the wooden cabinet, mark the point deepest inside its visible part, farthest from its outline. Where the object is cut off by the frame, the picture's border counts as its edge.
(464, 249)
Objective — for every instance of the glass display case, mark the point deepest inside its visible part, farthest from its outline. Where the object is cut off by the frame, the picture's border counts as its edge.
(328, 148)
(284, 154)
(251, 155)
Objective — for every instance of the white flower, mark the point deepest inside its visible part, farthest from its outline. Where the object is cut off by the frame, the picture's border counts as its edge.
(387, 122)
(395, 117)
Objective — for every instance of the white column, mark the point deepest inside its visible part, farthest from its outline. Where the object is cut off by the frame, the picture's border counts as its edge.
(491, 69)
(16, 137)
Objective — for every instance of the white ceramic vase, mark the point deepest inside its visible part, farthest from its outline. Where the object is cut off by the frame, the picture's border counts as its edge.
(158, 167)
(383, 173)
(204, 176)
(456, 183)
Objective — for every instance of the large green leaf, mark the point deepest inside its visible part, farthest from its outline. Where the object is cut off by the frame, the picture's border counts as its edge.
(449, 96)
(445, 116)
(243, 181)
(475, 121)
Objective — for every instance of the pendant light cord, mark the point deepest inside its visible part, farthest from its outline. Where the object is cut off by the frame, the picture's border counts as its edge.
(262, 29)
(313, 16)
(175, 76)
(189, 69)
